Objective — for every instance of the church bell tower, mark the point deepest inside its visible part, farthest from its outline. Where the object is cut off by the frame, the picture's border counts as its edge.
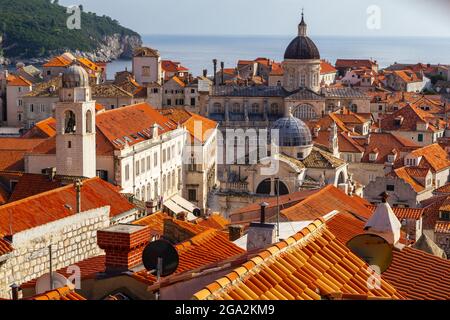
(75, 122)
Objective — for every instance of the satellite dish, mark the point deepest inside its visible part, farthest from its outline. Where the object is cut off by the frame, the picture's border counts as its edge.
(59, 281)
(197, 212)
(373, 249)
(163, 251)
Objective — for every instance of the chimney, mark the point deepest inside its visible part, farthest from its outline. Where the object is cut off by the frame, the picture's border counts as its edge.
(222, 66)
(205, 73)
(384, 222)
(77, 185)
(15, 289)
(235, 232)
(264, 205)
(182, 216)
(261, 235)
(123, 245)
(155, 132)
(215, 71)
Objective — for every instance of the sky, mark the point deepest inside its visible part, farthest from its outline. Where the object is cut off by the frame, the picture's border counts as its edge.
(424, 18)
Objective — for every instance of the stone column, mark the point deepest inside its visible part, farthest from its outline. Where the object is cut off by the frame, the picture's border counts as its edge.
(227, 110)
(246, 110)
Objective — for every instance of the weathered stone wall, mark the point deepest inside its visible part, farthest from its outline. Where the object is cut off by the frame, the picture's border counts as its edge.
(443, 241)
(73, 239)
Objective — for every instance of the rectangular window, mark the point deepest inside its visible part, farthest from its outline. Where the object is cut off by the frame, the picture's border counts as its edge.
(69, 144)
(192, 102)
(155, 159)
(127, 172)
(137, 168)
(31, 107)
(192, 195)
(169, 102)
(390, 187)
(420, 138)
(148, 163)
(102, 174)
(173, 151)
(164, 156)
(146, 71)
(143, 165)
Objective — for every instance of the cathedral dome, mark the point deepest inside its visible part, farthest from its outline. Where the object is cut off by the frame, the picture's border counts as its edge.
(302, 47)
(292, 132)
(74, 77)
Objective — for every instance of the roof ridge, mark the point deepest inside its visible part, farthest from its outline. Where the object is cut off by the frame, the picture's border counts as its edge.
(46, 193)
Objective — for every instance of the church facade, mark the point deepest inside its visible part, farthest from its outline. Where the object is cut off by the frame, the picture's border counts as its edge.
(283, 108)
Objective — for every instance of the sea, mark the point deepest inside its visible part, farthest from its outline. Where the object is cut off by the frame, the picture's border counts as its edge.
(197, 52)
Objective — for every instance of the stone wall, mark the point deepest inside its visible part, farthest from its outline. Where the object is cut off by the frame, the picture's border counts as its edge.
(73, 239)
(443, 241)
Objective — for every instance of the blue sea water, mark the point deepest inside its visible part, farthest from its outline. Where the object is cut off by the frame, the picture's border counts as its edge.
(197, 52)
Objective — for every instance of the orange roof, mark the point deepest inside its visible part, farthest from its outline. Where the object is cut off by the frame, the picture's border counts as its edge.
(4, 196)
(33, 184)
(415, 274)
(404, 174)
(18, 81)
(353, 63)
(177, 115)
(43, 129)
(434, 156)
(326, 67)
(215, 221)
(311, 265)
(13, 150)
(419, 275)
(171, 66)
(444, 189)
(207, 127)
(5, 247)
(442, 227)
(178, 81)
(411, 115)
(64, 293)
(155, 222)
(59, 61)
(88, 269)
(386, 143)
(206, 248)
(407, 76)
(85, 62)
(405, 213)
(132, 124)
(53, 205)
(324, 202)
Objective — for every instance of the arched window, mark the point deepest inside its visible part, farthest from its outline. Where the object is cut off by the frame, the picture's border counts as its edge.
(164, 184)
(302, 80)
(217, 108)
(138, 193)
(70, 123)
(305, 112)
(255, 108)
(274, 109)
(236, 108)
(315, 79)
(155, 190)
(149, 192)
(354, 108)
(173, 179)
(89, 122)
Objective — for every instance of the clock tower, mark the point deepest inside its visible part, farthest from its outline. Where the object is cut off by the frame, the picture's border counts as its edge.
(75, 125)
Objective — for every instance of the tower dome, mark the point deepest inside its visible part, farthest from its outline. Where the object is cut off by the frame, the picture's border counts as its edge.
(74, 77)
(302, 47)
(292, 132)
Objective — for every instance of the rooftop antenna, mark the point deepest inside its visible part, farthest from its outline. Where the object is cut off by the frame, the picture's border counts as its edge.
(161, 259)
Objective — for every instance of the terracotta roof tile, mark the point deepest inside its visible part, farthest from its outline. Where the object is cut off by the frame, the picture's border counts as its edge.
(59, 61)
(353, 63)
(443, 190)
(18, 81)
(88, 269)
(215, 221)
(442, 227)
(155, 222)
(52, 205)
(207, 247)
(43, 129)
(33, 184)
(62, 294)
(326, 67)
(324, 202)
(411, 115)
(403, 173)
(385, 143)
(405, 213)
(135, 120)
(5, 247)
(311, 268)
(435, 157)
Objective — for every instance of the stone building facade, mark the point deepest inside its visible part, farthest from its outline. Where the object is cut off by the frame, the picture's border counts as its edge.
(71, 240)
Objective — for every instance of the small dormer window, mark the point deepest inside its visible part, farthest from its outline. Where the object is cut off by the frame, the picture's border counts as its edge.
(373, 156)
(391, 158)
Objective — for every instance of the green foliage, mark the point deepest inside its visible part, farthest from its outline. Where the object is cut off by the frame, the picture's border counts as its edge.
(33, 28)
